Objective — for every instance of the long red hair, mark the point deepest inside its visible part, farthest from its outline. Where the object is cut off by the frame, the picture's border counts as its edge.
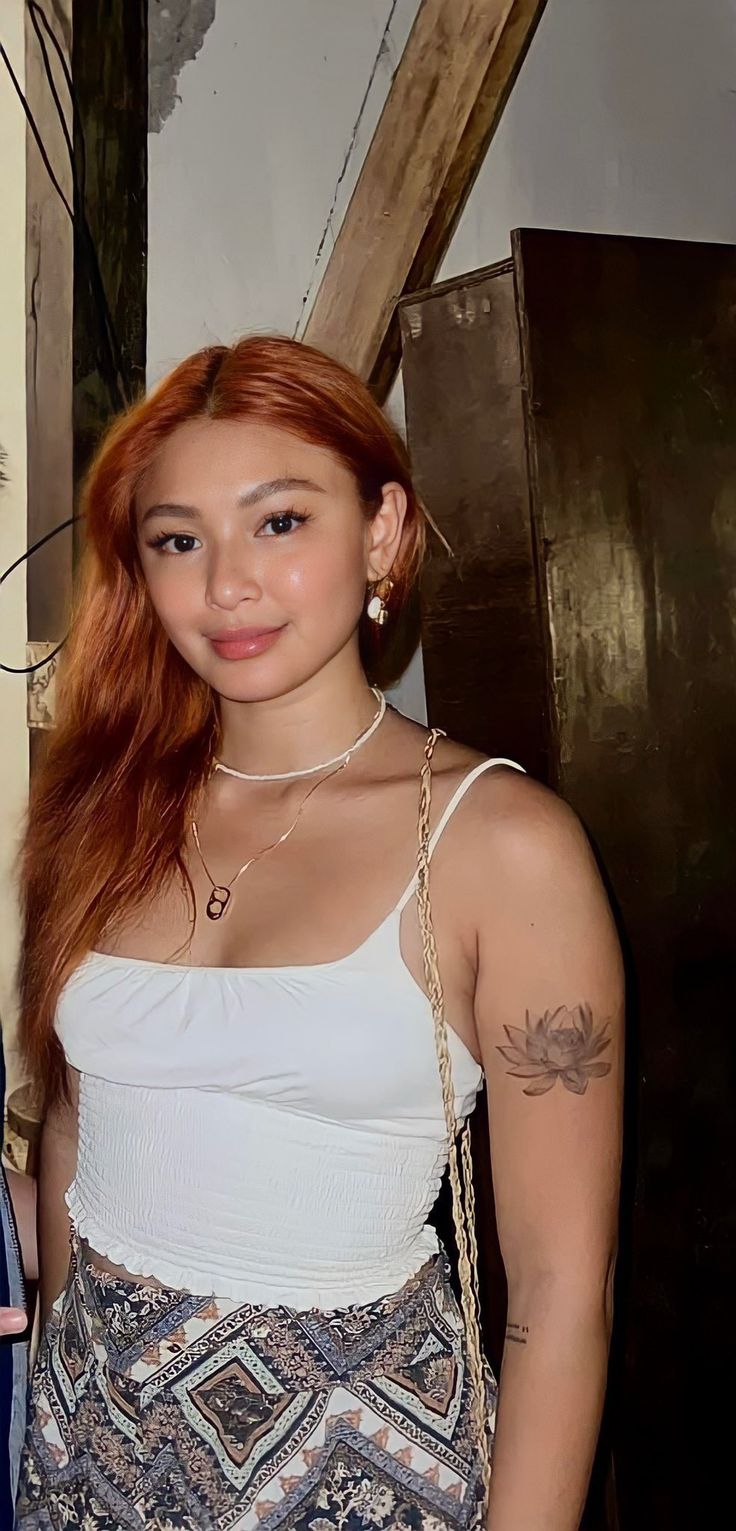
(135, 727)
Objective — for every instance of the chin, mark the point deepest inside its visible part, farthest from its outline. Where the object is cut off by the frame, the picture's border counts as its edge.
(251, 680)
(250, 691)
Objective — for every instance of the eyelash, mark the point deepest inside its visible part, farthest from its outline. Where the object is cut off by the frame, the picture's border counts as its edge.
(164, 538)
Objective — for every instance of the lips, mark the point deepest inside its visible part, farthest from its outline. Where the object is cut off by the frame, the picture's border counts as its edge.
(240, 634)
(243, 642)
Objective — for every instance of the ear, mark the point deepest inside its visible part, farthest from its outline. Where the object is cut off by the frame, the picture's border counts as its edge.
(384, 532)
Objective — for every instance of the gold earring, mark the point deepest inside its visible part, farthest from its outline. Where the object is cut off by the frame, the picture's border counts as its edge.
(377, 608)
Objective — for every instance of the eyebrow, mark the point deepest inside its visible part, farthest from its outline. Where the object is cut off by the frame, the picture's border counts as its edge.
(250, 497)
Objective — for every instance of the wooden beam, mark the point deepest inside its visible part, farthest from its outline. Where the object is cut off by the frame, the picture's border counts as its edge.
(49, 285)
(85, 280)
(446, 100)
(49, 280)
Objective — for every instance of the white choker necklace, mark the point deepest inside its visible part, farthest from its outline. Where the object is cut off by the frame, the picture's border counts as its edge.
(311, 770)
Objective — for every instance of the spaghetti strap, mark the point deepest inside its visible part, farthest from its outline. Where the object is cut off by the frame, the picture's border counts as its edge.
(457, 797)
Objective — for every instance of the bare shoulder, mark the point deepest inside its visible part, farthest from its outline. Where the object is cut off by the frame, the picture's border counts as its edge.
(508, 818)
(407, 740)
(515, 832)
(523, 820)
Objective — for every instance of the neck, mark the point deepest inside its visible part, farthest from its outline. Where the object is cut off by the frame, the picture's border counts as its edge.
(297, 730)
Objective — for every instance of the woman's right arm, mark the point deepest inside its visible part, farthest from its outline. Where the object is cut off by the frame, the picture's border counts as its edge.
(57, 1167)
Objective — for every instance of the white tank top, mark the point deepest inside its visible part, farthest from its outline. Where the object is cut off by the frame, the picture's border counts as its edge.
(268, 1134)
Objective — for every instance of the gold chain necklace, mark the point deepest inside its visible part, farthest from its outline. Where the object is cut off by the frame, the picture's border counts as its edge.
(222, 891)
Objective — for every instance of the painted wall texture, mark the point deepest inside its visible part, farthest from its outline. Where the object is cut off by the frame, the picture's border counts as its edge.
(257, 160)
(623, 121)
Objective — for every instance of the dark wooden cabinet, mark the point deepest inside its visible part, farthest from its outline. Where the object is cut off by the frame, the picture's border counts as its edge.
(572, 422)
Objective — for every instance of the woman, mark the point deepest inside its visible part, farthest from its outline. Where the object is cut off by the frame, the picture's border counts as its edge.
(224, 983)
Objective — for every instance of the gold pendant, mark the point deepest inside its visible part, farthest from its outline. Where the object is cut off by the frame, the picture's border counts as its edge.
(217, 903)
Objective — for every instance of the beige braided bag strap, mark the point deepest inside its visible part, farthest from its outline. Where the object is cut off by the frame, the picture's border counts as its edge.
(460, 1163)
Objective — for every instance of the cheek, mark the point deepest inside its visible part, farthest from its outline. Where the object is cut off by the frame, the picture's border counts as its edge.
(173, 591)
(331, 574)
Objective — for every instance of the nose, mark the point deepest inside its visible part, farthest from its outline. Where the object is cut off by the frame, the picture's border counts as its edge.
(231, 578)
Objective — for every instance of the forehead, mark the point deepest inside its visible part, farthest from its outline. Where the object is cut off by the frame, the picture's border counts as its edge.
(206, 459)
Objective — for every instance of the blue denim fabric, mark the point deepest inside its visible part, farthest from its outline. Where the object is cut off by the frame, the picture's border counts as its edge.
(13, 1351)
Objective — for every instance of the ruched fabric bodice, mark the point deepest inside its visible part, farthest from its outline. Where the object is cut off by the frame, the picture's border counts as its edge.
(267, 1134)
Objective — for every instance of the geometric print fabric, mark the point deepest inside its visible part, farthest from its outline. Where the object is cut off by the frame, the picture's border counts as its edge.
(151, 1407)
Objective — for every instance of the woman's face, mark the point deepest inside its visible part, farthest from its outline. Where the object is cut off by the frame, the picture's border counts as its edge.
(248, 531)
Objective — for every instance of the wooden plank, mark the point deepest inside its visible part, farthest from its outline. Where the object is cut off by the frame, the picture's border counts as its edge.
(49, 284)
(444, 105)
(85, 277)
(462, 384)
(628, 349)
(49, 320)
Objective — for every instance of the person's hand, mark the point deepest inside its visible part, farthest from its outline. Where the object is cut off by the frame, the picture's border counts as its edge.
(12, 1321)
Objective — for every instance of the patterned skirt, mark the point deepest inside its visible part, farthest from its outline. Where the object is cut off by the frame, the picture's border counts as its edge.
(152, 1407)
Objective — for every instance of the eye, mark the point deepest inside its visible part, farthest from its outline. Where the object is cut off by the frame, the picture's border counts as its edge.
(164, 538)
(278, 519)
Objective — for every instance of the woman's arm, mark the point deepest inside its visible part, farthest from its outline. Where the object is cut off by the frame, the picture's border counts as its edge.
(57, 1166)
(549, 1012)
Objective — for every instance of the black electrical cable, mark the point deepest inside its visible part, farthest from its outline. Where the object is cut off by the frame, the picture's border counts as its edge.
(56, 45)
(32, 125)
(34, 12)
(28, 669)
(119, 385)
(117, 380)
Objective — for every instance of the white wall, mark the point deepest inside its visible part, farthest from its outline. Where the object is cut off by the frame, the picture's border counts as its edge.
(244, 173)
(622, 121)
(13, 732)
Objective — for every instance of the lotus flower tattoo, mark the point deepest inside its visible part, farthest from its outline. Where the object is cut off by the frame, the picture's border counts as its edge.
(561, 1044)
